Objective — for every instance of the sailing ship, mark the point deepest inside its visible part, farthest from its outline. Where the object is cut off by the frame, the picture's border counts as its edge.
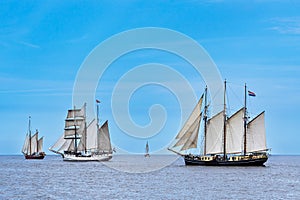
(227, 140)
(82, 142)
(33, 146)
(147, 150)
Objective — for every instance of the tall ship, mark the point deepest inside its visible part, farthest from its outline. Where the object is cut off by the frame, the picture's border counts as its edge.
(227, 140)
(82, 141)
(33, 145)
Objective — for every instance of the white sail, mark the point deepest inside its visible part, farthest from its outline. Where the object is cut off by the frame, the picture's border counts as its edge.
(25, 148)
(65, 146)
(33, 143)
(256, 134)
(147, 148)
(191, 142)
(235, 132)
(104, 138)
(58, 144)
(192, 118)
(189, 136)
(79, 129)
(91, 140)
(76, 113)
(40, 144)
(75, 122)
(214, 135)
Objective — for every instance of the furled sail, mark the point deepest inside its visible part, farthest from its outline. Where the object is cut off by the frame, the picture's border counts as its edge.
(214, 135)
(256, 134)
(235, 132)
(104, 143)
(188, 135)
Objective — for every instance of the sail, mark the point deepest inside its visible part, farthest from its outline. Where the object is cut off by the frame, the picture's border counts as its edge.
(25, 148)
(104, 138)
(256, 134)
(187, 137)
(147, 148)
(214, 135)
(75, 122)
(192, 140)
(91, 140)
(79, 129)
(65, 146)
(192, 118)
(40, 144)
(58, 144)
(33, 143)
(190, 137)
(235, 132)
(76, 113)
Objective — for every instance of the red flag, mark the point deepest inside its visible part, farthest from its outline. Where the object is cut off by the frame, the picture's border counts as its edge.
(97, 101)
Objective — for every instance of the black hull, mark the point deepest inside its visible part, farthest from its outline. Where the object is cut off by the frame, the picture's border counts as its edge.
(39, 156)
(249, 162)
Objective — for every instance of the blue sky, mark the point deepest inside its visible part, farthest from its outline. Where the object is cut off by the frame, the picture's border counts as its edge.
(42, 46)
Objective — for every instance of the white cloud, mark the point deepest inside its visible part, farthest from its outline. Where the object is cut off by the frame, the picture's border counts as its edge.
(288, 25)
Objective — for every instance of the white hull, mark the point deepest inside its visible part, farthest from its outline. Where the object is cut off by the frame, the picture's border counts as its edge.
(98, 158)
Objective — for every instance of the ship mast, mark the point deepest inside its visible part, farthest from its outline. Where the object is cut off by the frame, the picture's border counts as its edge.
(224, 113)
(245, 121)
(37, 140)
(205, 119)
(29, 130)
(75, 137)
(85, 129)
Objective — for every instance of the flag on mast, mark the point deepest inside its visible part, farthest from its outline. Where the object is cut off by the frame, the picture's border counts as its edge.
(252, 94)
(97, 101)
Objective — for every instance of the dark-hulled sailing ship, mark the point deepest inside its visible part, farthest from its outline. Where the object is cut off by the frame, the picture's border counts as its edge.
(33, 146)
(228, 140)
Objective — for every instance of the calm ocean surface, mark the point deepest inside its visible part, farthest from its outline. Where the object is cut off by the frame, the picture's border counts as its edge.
(52, 178)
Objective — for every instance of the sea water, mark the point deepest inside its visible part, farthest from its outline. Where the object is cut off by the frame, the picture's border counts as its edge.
(53, 178)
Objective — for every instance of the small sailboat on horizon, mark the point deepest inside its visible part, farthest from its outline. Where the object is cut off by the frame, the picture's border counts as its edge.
(82, 142)
(227, 140)
(147, 155)
(33, 146)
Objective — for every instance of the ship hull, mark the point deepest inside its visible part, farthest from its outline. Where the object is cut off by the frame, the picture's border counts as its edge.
(86, 158)
(39, 156)
(189, 160)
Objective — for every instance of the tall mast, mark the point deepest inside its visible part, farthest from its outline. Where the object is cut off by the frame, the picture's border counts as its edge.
(37, 140)
(29, 130)
(245, 121)
(224, 113)
(205, 119)
(85, 129)
(75, 138)
(97, 101)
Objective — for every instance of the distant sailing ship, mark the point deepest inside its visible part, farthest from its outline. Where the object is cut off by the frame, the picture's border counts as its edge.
(147, 150)
(228, 141)
(82, 142)
(33, 146)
